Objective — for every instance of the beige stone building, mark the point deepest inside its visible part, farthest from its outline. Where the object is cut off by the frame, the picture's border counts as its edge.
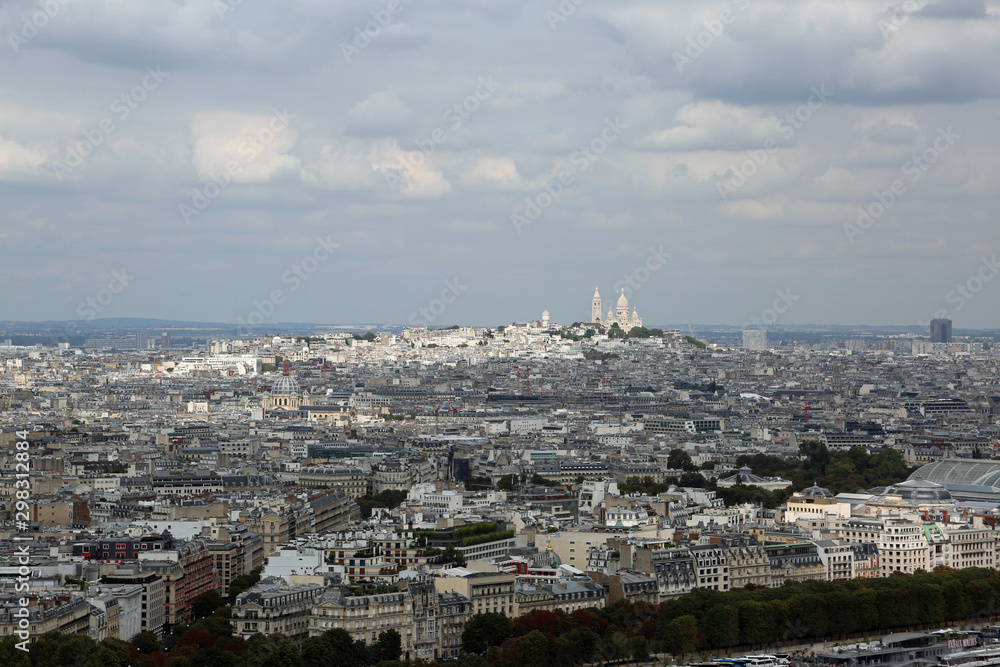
(748, 562)
(63, 613)
(353, 482)
(968, 545)
(272, 606)
(488, 591)
(365, 616)
(814, 502)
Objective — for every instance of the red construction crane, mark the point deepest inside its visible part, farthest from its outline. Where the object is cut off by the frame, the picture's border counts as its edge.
(527, 379)
(436, 422)
(805, 412)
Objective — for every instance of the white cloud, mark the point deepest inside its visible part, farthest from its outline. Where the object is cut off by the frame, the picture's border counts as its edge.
(714, 124)
(257, 145)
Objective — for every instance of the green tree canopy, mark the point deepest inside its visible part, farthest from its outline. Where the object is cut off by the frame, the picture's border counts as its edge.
(485, 630)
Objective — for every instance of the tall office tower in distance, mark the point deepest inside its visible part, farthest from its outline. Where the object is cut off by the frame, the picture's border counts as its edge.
(141, 339)
(754, 339)
(940, 331)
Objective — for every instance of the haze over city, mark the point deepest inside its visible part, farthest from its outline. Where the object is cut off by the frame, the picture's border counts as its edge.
(363, 157)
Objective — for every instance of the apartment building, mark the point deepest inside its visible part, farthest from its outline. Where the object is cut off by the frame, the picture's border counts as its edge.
(711, 567)
(365, 616)
(188, 571)
(902, 547)
(274, 527)
(970, 545)
(837, 557)
(794, 562)
(233, 552)
(747, 560)
(62, 613)
(675, 574)
(566, 595)
(351, 481)
(814, 502)
(487, 591)
(331, 511)
(153, 604)
(867, 564)
(105, 616)
(454, 612)
(273, 606)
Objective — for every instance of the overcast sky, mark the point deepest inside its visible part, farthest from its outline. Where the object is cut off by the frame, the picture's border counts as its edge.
(483, 160)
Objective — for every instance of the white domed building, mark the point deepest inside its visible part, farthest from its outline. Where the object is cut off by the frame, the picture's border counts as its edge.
(620, 315)
(285, 394)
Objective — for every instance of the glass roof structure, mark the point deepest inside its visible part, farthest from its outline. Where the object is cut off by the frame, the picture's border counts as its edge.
(966, 479)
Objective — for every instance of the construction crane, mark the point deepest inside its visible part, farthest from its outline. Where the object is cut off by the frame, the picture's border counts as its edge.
(527, 379)
(805, 411)
(437, 410)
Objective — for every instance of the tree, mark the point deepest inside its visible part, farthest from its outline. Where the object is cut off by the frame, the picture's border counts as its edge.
(453, 555)
(692, 480)
(753, 622)
(206, 604)
(539, 648)
(679, 635)
(114, 652)
(638, 649)
(816, 456)
(216, 657)
(315, 651)
(389, 646)
(259, 651)
(678, 459)
(887, 467)
(722, 626)
(813, 615)
(542, 481)
(467, 660)
(485, 630)
(146, 643)
(10, 655)
(55, 648)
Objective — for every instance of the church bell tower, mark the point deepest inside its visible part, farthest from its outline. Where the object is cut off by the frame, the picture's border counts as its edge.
(595, 307)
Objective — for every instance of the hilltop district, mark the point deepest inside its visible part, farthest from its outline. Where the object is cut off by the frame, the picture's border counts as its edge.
(437, 494)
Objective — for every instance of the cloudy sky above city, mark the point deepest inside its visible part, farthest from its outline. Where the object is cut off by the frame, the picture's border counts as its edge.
(484, 160)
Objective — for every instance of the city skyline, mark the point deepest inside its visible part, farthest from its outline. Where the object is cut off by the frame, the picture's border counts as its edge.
(319, 162)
